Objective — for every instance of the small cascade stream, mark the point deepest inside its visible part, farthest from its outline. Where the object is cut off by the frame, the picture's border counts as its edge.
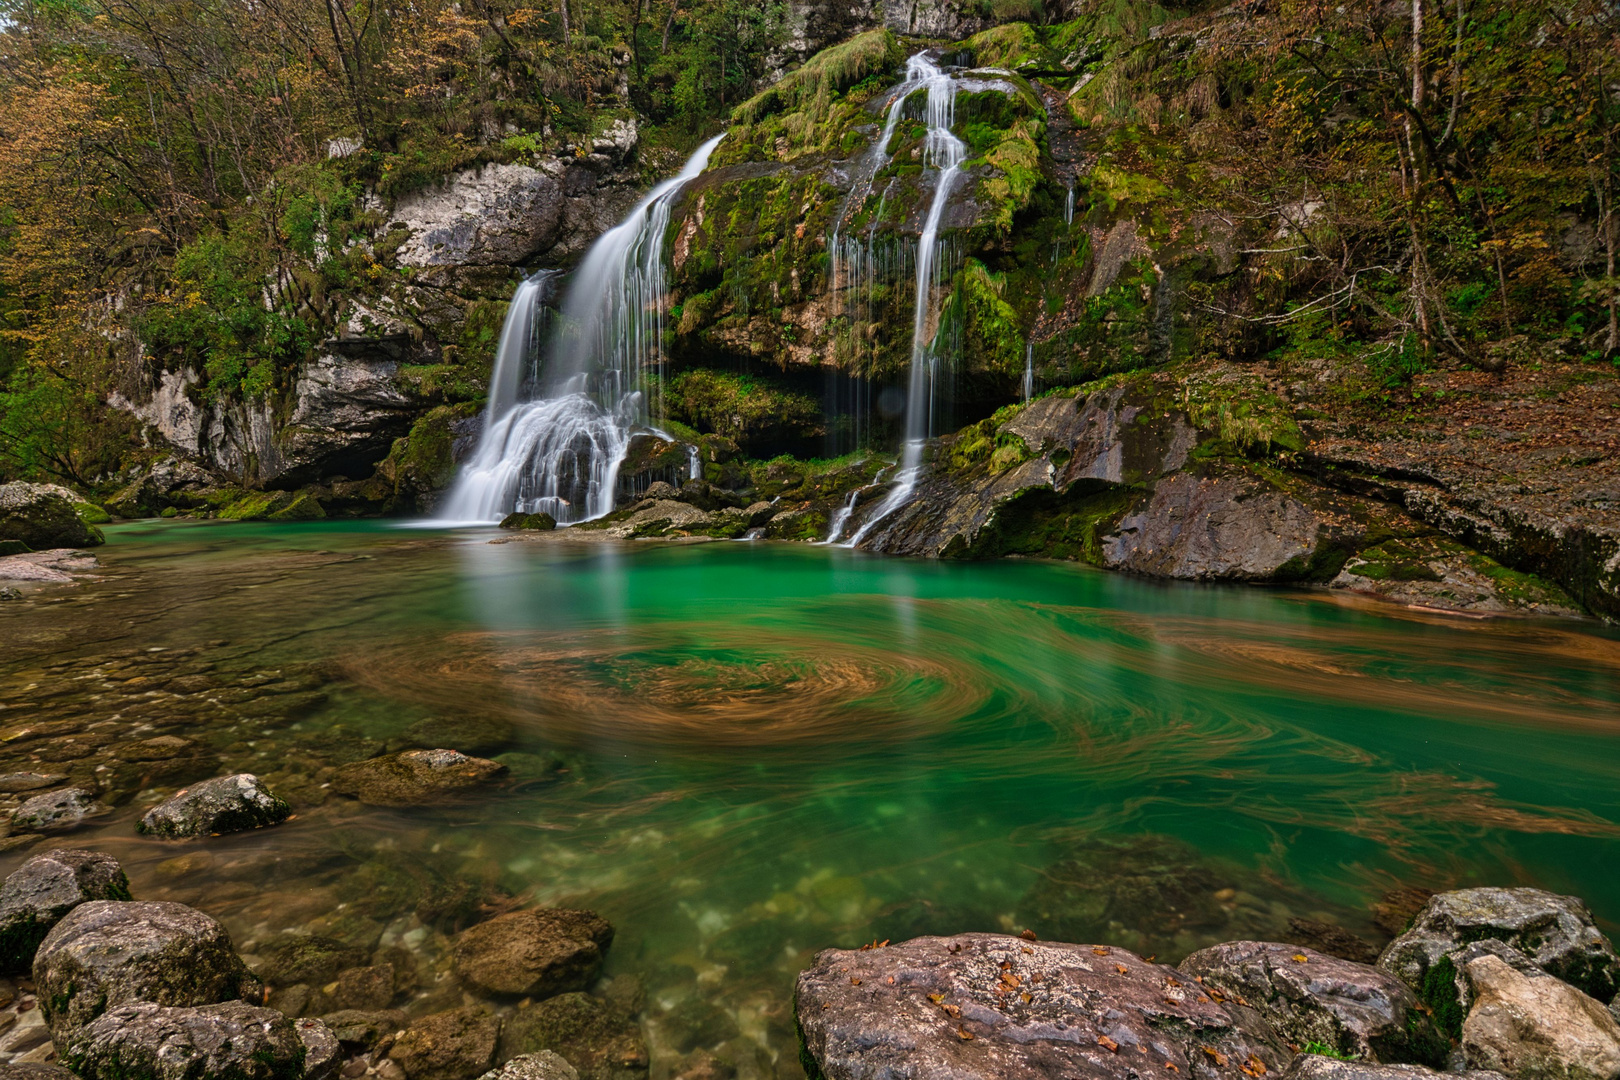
(556, 433)
(944, 152)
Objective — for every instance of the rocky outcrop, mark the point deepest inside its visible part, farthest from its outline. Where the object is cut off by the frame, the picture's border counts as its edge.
(1554, 933)
(533, 953)
(415, 777)
(1536, 1027)
(1354, 1009)
(42, 890)
(497, 215)
(224, 805)
(105, 953)
(991, 1005)
(156, 1042)
(41, 516)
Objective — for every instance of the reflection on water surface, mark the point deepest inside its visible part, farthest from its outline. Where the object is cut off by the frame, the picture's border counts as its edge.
(741, 753)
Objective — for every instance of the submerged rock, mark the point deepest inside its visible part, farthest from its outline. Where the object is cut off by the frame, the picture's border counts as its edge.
(42, 890)
(995, 1006)
(544, 1065)
(105, 953)
(56, 811)
(1309, 997)
(224, 805)
(42, 517)
(596, 1037)
(468, 734)
(307, 958)
(363, 1030)
(230, 1041)
(533, 522)
(414, 777)
(533, 953)
(1555, 932)
(1536, 1028)
(455, 1045)
(29, 781)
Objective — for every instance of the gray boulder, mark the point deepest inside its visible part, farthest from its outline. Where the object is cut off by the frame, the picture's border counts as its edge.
(1310, 997)
(323, 1054)
(546, 1065)
(1317, 1067)
(224, 805)
(415, 777)
(106, 953)
(533, 953)
(56, 811)
(455, 1045)
(230, 1041)
(497, 215)
(994, 1006)
(1535, 1027)
(42, 517)
(1556, 933)
(39, 892)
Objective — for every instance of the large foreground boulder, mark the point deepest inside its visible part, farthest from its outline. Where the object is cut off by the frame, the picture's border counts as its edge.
(106, 953)
(415, 777)
(224, 805)
(533, 953)
(1535, 1027)
(144, 1041)
(42, 517)
(1556, 933)
(42, 890)
(993, 1006)
(1309, 997)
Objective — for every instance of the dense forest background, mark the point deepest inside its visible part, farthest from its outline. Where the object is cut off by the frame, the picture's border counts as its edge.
(179, 178)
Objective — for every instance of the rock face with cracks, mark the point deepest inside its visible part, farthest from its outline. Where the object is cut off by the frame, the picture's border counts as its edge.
(991, 1005)
(1536, 1028)
(1309, 997)
(230, 1041)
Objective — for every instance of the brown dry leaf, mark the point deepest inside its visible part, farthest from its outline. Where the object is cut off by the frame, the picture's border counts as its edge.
(1171, 1066)
(854, 982)
(1026, 997)
(1011, 980)
(1028, 935)
(1214, 1055)
(1101, 950)
(964, 1034)
(1300, 958)
(1108, 1044)
(951, 1010)
(1026, 951)
(1121, 968)
(1254, 1066)
(936, 998)
(1172, 981)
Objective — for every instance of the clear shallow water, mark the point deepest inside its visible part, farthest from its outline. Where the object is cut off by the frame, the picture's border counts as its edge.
(768, 750)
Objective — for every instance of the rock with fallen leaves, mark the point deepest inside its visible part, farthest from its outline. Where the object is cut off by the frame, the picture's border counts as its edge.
(1532, 1027)
(1310, 997)
(997, 1006)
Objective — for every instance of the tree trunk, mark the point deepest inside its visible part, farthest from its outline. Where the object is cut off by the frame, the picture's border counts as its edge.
(564, 6)
(669, 24)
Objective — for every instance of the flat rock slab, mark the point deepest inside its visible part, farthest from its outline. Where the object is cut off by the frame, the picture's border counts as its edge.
(415, 777)
(233, 1040)
(1536, 1028)
(1555, 932)
(227, 804)
(1317, 1067)
(533, 953)
(1309, 997)
(105, 953)
(996, 1007)
(42, 890)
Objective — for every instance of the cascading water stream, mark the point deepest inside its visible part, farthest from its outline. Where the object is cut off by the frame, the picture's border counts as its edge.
(556, 449)
(1029, 371)
(876, 157)
(943, 151)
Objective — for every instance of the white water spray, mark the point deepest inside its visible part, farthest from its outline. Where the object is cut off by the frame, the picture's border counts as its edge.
(943, 151)
(557, 449)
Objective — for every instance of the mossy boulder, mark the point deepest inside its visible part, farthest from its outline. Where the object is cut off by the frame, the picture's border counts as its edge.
(541, 522)
(224, 805)
(533, 953)
(230, 1041)
(37, 895)
(42, 516)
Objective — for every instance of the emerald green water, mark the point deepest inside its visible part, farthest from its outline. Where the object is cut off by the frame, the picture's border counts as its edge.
(768, 750)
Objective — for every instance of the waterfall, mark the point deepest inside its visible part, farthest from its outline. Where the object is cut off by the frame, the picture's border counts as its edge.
(553, 440)
(871, 164)
(1029, 371)
(943, 151)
